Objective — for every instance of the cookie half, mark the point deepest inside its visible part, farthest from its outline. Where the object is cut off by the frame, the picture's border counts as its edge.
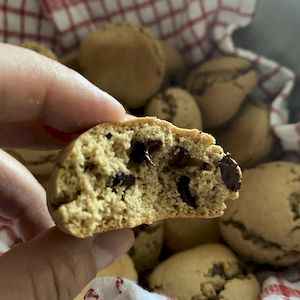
(138, 172)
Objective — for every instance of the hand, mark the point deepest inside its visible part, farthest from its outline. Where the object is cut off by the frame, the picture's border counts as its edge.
(44, 105)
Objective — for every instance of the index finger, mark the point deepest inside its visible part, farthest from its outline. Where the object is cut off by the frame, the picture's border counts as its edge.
(34, 87)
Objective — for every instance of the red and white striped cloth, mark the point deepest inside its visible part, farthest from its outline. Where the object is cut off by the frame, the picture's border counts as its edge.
(200, 29)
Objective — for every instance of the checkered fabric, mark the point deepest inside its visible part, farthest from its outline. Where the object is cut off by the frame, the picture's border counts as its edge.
(200, 29)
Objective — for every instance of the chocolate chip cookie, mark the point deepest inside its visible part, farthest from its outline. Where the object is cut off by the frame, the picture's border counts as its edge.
(125, 60)
(177, 106)
(147, 246)
(39, 48)
(138, 172)
(263, 226)
(220, 86)
(205, 272)
(248, 137)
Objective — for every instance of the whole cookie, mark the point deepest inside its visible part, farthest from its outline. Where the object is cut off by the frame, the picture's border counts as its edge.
(220, 86)
(39, 48)
(177, 106)
(147, 247)
(183, 234)
(175, 66)
(138, 172)
(263, 225)
(71, 60)
(209, 271)
(122, 267)
(125, 60)
(38, 162)
(249, 136)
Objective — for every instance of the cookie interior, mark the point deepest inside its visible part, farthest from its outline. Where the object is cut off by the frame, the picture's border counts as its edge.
(123, 176)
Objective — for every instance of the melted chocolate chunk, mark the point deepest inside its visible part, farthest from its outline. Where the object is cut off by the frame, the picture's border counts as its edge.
(89, 166)
(182, 158)
(230, 173)
(218, 269)
(109, 136)
(123, 180)
(141, 151)
(183, 189)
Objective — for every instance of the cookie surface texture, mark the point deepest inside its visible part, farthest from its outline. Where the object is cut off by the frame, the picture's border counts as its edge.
(183, 234)
(124, 60)
(147, 246)
(220, 86)
(138, 172)
(249, 136)
(210, 271)
(177, 106)
(270, 195)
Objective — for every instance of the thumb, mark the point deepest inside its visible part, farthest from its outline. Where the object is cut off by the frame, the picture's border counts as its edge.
(54, 265)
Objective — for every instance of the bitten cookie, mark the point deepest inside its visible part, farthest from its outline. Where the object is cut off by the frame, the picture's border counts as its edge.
(205, 272)
(263, 225)
(125, 60)
(220, 86)
(38, 162)
(147, 247)
(176, 106)
(183, 234)
(249, 136)
(175, 66)
(39, 48)
(138, 172)
(122, 267)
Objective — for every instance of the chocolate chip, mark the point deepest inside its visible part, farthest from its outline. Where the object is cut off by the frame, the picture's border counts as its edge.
(123, 180)
(183, 189)
(109, 136)
(89, 166)
(141, 151)
(218, 269)
(230, 173)
(200, 91)
(173, 80)
(172, 106)
(182, 158)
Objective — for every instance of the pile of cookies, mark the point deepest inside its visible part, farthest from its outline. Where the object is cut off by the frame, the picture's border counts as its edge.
(188, 258)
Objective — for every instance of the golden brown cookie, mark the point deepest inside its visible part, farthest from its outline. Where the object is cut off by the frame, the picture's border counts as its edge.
(38, 162)
(209, 271)
(220, 86)
(124, 60)
(71, 60)
(147, 246)
(176, 106)
(39, 48)
(175, 66)
(137, 172)
(183, 234)
(263, 225)
(248, 137)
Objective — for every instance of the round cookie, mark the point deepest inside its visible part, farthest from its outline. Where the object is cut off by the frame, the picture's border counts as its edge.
(71, 60)
(122, 267)
(38, 162)
(177, 106)
(209, 271)
(220, 86)
(125, 60)
(263, 225)
(183, 234)
(248, 137)
(122, 175)
(175, 66)
(147, 247)
(39, 48)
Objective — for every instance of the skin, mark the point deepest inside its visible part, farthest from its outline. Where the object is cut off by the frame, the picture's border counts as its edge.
(44, 105)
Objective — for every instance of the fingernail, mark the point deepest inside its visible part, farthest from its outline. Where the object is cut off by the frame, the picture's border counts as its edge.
(109, 246)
